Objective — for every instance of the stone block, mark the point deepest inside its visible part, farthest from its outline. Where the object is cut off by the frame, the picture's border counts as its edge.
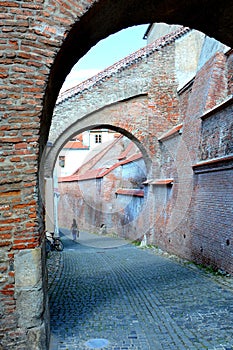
(37, 338)
(28, 270)
(30, 307)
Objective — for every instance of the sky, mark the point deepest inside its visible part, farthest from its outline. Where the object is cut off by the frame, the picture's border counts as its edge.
(105, 53)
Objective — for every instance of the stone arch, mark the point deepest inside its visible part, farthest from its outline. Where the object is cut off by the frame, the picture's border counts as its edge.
(69, 110)
(103, 18)
(88, 123)
(98, 119)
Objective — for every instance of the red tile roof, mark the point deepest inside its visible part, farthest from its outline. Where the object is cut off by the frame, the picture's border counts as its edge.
(94, 160)
(98, 173)
(75, 145)
(88, 175)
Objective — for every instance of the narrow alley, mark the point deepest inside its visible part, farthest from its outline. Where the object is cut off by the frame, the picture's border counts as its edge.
(108, 294)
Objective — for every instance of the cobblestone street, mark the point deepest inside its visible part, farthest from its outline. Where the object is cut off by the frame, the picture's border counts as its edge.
(108, 294)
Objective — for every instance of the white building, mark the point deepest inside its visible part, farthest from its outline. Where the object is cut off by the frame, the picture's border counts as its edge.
(76, 150)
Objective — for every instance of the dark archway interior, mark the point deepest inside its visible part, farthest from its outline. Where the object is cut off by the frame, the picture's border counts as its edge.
(106, 17)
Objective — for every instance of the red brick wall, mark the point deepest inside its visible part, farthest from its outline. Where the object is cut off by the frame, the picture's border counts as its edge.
(175, 225)
(184, 101)
(217, 134)
(230, 72)
(209, 89)
(30, 39)
(145, 98)
(34, 47)
(212, 217)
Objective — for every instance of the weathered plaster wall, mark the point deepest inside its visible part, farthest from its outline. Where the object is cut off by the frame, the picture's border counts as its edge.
(94, 202)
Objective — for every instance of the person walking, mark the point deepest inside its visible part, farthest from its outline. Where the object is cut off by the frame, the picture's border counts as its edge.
(74, 230)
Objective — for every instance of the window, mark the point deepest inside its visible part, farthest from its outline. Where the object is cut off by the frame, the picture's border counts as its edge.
(62, 161)
(98, 138)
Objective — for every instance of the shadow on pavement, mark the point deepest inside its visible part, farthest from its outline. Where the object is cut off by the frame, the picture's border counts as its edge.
(90, 240)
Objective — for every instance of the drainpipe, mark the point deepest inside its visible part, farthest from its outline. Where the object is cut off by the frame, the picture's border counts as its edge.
(56, 196)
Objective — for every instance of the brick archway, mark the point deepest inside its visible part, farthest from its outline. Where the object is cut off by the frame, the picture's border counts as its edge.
(51, 155)
(114, 113)
(37, 52)
(137, 94)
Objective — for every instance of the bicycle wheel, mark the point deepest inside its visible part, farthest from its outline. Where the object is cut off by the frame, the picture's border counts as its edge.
(48, 246)
(58, 245)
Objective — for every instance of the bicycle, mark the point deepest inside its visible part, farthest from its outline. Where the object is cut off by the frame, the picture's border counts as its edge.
(53, 243)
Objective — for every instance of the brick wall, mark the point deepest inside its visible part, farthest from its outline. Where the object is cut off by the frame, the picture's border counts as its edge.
(230, 72)
(212, 216)
(184, 96)
(30, 40)
(200, 133)
(146, 79)
(217, 134)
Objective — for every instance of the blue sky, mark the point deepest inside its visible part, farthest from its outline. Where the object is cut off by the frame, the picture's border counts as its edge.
(105, 53)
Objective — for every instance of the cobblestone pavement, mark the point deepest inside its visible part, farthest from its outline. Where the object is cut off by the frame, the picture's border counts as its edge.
(105, 295)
